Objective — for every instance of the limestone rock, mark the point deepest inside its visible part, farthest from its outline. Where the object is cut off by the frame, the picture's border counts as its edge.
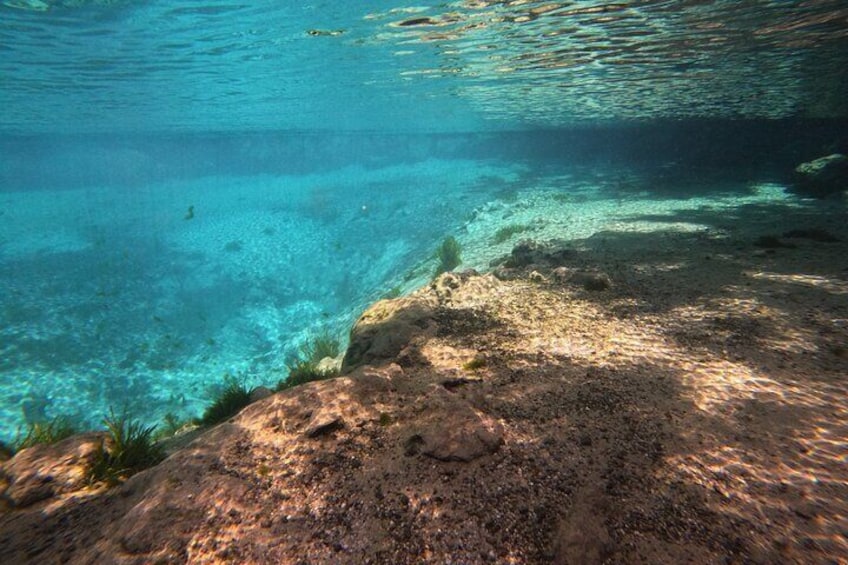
(537, 277)
(526, 252)
(591, 281)
(562, 274)
(43, 471)
(386, 328)
(454, 431)
(259, 393)
(323, 422)
(445, 284)
(329, 365)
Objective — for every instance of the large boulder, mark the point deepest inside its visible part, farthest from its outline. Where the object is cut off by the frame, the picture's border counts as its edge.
(822, 177)
(44, 471)
(386, 328)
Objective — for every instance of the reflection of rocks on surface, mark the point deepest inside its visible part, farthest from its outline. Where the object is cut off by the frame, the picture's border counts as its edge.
(822, 177)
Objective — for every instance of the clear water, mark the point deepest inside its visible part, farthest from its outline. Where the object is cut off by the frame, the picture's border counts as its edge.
(326, 148)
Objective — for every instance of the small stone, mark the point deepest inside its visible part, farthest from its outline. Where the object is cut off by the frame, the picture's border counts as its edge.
(323, 422)
(259, 393)
(593, 282)
(561, 274)
(536, 277)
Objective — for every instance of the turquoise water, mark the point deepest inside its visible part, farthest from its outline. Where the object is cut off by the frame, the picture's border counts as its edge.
(192, 190)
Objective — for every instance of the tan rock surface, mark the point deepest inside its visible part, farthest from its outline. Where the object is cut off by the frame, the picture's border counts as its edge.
(685, 414)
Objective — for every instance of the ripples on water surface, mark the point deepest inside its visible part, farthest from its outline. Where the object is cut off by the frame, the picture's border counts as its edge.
(453, 66)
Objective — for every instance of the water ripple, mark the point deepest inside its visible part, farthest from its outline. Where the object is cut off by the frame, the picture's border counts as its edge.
(105, 64)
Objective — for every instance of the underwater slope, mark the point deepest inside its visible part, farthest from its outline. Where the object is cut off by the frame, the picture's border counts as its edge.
(662, 397)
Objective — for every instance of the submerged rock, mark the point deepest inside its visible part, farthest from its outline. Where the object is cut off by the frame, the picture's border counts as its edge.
(44, 471)
(822, 177)
(454, 431)
(771, 242)
(814, 234)
(386, 328)
(486, 421)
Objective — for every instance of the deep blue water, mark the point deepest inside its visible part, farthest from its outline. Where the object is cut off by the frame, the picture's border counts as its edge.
(325, 149)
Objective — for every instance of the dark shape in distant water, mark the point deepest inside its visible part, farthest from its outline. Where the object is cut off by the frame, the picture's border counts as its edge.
(418, 22)
(190, 214)
(325, 32)
(771, 242)
(814, 234)
(822, 177)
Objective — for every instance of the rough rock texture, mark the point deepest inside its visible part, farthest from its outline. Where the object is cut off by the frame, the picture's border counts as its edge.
(386, 328)
(683, 415)
(44, 471)
(822, 177)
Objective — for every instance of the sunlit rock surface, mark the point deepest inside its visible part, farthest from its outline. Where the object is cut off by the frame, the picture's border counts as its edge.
(678, 415)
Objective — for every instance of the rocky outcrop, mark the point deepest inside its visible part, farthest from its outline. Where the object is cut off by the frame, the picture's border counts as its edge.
(452, 430)
(386, 328)
(822, 177)
(527, 420)
(46, 471)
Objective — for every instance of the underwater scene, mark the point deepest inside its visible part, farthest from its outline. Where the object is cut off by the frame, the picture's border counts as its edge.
(197, 191)
(200, 197)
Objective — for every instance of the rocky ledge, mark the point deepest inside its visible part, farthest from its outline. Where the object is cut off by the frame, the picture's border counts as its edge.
(582, 406)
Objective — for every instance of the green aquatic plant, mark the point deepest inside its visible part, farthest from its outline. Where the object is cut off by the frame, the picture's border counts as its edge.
(393, 292)
(506, 232)
(301, 372)
(172, 425)
(474, 364)
(49, 432)
(233, 397)
(128, 448)
(234, 246)
(449, 256)
(304, 368)
(322, 346)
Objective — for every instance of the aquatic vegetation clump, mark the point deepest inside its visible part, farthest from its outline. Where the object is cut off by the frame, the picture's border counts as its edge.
(322, 346)
(232, 398)
(507, 232)
(6, 451)
(392, 293)
(173, 425)
(302, 372)
(47, 433)
(128, 448)
(474, 364)
(449, 256)
(307, 366)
